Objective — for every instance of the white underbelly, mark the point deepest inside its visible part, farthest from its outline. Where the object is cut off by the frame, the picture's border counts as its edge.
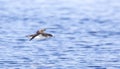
(40, 37)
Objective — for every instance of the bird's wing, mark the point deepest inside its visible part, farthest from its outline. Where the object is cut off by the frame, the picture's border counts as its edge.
(33, 36)
(46, 34)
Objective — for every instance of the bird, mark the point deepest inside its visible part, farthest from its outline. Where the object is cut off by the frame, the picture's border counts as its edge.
(40, 34)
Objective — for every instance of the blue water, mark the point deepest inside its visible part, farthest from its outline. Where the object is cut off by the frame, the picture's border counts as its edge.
(86, 34)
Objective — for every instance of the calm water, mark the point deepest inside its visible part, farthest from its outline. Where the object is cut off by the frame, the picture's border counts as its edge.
(86, 34)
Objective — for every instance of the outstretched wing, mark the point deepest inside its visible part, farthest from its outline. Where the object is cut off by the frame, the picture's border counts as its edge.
(33, 37)
(47, 35)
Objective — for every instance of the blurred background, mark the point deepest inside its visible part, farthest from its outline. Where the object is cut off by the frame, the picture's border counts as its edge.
(86, 34)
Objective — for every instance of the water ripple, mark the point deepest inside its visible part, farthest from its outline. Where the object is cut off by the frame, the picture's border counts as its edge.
(103, 34)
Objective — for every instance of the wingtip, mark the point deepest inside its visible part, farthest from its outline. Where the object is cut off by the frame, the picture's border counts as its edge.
(30, 39)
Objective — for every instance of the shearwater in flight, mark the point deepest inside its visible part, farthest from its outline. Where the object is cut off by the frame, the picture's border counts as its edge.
(40, 34)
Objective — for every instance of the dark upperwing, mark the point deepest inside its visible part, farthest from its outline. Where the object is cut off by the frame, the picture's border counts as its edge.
(46, 34)
(33, 36)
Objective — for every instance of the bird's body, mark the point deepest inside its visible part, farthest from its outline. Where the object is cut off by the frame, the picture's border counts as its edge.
(40, 35)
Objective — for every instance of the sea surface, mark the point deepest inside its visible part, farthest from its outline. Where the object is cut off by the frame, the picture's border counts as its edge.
(86, 34)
